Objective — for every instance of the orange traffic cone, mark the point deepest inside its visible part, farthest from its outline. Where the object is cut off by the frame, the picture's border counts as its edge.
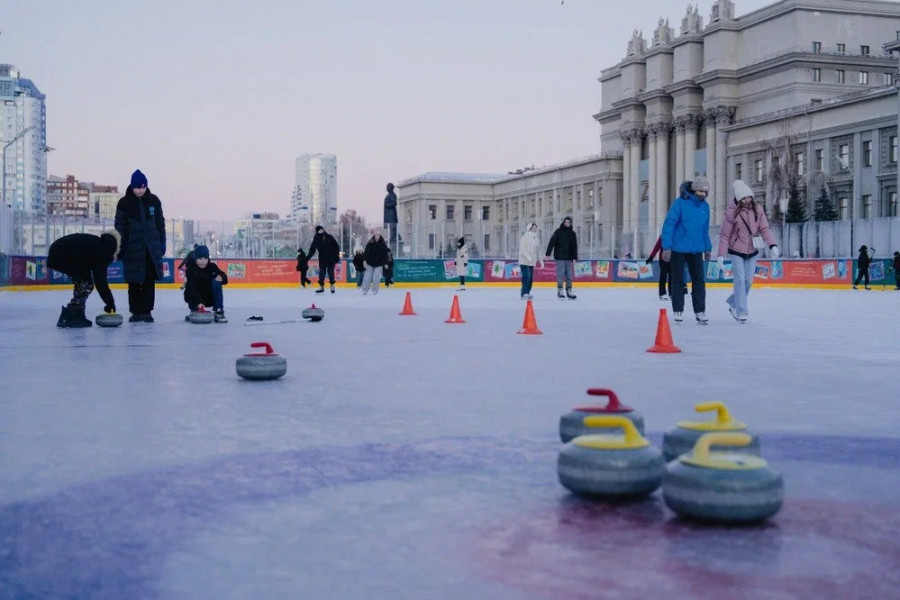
(664, 341)
(529, 325)
(407, 306)
(455, 315)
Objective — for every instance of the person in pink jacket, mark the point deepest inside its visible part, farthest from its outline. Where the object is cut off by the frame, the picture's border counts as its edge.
(744, 220)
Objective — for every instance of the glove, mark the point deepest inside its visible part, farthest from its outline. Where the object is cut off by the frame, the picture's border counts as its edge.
(775, 251)
(649, 260)
(666, 255)
(110, 309)
(721, 262)
(542, 264)
(707, 255)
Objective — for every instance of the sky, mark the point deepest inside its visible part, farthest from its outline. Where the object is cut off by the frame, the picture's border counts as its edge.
(214, 99)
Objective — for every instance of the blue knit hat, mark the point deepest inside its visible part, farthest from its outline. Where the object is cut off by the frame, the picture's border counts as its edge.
(138, 179)
(201, 252)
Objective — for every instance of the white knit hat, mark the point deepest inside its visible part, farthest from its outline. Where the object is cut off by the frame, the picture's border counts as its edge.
(741, 190)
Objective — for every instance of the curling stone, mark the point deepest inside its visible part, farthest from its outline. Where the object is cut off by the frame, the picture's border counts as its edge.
(571, 424)
(313, 313)
(109, 320)
(201, 317)
(262, 365)
(723, 487)
(610, 466)
(681, 439)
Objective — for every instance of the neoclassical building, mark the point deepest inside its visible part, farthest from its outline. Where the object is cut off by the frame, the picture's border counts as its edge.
(799, 94)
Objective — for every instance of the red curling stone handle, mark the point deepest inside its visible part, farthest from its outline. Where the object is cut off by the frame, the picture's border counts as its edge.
(613, 405)
(266, 345)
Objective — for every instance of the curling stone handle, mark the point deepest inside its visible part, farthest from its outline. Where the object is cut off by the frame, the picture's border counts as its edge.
(722, 414)
(631, 433)
(265, 345)
(701, 448)
(613, 403)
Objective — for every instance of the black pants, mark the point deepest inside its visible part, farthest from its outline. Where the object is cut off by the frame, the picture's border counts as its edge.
(304, 280)
(863, 273)
(665, 277)
(142, 295)
(323, 270)
(698, 283)
(83, 286)
(897, 279)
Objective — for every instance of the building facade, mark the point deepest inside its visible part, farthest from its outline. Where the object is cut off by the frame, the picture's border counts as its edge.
(24, 161)
(68, 197)
(103, 201)
(314, 198)
(799, 97)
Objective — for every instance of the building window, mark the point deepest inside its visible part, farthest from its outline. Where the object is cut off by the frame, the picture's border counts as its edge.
(844, 156)
(467, 213)
(840, 78)
(820, 160)
(841, 48)
(817, 47)
(738, 171)
(432, 212)
(800, 163)
(485, 213)
(893, 204)
(817, 74)
(487, 242)
(758, 165)
(887, 78)
(892, 157)
(867, 206)
(867, 154)
(863, 78)
(431, 241)
(450, 209)
(845, 208)
(864, 50)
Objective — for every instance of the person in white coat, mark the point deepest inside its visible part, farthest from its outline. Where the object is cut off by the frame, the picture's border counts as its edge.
(529, 247)
(462, 262)
(744, 224)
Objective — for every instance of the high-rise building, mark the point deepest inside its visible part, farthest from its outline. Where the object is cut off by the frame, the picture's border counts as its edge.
(314, 199)
(25, 161)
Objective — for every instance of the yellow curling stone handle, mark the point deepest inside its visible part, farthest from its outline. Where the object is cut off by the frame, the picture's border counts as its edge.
(723, 422)
(632, 439)
(701, 456)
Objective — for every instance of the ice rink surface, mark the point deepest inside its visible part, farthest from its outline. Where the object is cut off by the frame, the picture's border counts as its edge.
(406, 458)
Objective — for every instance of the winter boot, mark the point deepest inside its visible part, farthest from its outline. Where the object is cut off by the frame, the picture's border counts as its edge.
(146, 318)
(219, 315)
(332, 288)
(73, 316)
(569, 294)
(559, 293)
(321, 289)
(135, 318)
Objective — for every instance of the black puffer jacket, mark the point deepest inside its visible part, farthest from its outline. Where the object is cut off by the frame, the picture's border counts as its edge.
(85, 256)
(198, 288)
(142, 226)
(376, 252)
(327, 247)
(563, 244)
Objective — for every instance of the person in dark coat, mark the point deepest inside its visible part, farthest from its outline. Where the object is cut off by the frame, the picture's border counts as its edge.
(204, 285)
(182, 266)
(329, 254)
(376, 254)
(862, 265)
(390, 213)
(303, 267)
(359, 265)
(140, 222)
(895, 267)
(389, 269)
(84, 258)
(563, 247)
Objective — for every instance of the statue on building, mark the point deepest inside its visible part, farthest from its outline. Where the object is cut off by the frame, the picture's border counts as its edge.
(663, 34)
(692, 23)
(637, 45)
(722, 10)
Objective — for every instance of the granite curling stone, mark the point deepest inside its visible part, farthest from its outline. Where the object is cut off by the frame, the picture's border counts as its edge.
(614, 467)
(109, 320)
(723, 487)
(201, 317)
(261, 366)
(686, 433)
(313, 313)
(571, 424)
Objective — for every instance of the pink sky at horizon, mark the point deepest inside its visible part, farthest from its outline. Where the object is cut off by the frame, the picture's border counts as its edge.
(215, 100)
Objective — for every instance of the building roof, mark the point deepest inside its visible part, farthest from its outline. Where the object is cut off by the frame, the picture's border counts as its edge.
(445, 177)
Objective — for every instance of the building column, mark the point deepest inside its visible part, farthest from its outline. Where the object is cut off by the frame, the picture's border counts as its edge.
(710, 122)
(691, 122)
(662, 177)
(626, 180)
(635, 199)
(724, 117)
(650, 224)
(679, 151)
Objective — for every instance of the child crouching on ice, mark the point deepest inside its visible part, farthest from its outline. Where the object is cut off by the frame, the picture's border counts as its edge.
(204, 284)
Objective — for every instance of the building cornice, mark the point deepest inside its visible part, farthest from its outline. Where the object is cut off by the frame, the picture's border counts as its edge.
(688, 38)
(685, 85)
(627, 102)
(653, 95)
(607, 116)
(718, 74)
(660, 49)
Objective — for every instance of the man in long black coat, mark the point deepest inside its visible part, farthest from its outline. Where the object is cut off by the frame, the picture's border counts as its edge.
(140, 222)
(84, 257)
(329, 253)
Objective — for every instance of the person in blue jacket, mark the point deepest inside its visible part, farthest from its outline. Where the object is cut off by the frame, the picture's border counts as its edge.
(685, 241)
